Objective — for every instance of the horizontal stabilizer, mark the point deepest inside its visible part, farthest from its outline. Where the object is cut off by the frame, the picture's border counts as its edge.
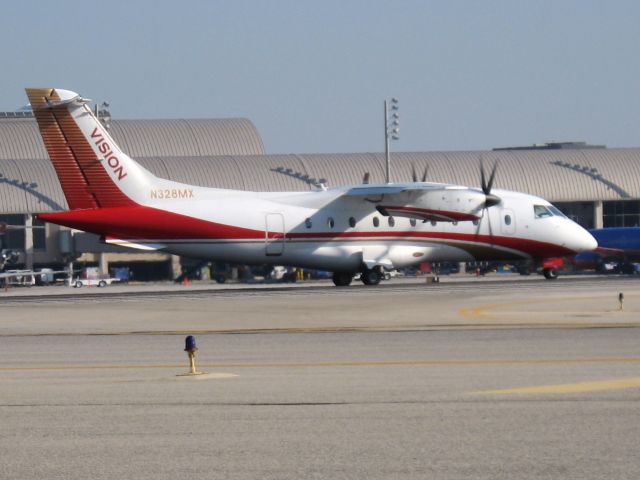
(134, 244)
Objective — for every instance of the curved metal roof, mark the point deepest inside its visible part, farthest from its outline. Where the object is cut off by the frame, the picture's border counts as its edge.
(30, 185)
(20, 139)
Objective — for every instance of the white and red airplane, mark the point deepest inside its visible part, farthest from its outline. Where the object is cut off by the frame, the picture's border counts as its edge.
(363, 228)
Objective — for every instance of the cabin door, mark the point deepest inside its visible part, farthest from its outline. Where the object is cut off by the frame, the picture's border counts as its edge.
(274, 234)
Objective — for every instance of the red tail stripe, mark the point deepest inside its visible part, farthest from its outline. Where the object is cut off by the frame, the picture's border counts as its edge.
(84, 181)
(72, 180)
(103, 188)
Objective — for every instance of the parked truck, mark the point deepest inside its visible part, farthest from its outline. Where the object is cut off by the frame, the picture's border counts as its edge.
(91, 277)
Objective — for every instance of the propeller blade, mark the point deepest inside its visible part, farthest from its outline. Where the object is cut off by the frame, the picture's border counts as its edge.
(414, 176)
(491, 177)
(485, 215)
(489, 223)
(424, 173)
(483, 182)
(490, 199)
(365, 179)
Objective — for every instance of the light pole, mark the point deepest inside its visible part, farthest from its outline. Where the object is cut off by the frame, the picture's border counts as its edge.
(391, 131)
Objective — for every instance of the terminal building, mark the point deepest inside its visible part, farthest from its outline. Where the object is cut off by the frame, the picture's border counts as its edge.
(595, 186)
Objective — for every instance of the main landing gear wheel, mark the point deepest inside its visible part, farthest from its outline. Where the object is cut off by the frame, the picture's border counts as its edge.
(370, 277)
(550, 273)
(342, 279)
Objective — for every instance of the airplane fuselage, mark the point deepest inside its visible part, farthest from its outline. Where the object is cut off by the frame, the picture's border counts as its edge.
(323, 229)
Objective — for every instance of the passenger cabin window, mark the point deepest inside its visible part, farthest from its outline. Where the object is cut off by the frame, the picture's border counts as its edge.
(307, 223)
(507, 219)
(376, 221)
(412, 222)
(433, 223)
(392, 221)
(330, 222)
(352, 222)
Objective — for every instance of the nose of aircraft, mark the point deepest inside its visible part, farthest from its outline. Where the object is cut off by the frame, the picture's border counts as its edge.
(581, 240)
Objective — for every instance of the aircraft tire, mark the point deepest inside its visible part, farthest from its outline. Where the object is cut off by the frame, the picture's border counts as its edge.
(524, 270)
(550, 273)
(370, 277)
(342, 279)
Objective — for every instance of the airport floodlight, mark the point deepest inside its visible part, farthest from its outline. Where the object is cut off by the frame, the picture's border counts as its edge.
(391, 130)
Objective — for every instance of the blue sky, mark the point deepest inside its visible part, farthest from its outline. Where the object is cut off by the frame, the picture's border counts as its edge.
(312, 76)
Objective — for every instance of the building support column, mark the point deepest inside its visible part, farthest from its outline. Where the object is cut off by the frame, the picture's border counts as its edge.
(103, 264)
(598, 217)
(175, 266)
(28, 242)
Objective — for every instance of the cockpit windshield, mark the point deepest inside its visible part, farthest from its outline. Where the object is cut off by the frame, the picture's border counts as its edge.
(544, 211)
(540, 211)
(556, 211)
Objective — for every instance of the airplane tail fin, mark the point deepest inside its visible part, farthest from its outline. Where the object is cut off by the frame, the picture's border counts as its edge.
(93, 171)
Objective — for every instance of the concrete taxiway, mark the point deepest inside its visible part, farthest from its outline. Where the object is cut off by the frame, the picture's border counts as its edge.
(465, 379)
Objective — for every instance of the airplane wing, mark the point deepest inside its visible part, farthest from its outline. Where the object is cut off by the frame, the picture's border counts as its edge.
(389, 189)
(425, 201)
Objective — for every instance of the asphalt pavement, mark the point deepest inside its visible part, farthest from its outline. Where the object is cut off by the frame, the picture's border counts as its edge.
(516, 381)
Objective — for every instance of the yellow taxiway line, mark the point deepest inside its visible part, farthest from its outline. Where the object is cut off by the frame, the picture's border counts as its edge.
(580, 387)
(364, 363)
(480, 312)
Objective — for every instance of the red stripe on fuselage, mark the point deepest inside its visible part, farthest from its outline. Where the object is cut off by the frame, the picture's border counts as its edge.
(141, 222)
(147, 223)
